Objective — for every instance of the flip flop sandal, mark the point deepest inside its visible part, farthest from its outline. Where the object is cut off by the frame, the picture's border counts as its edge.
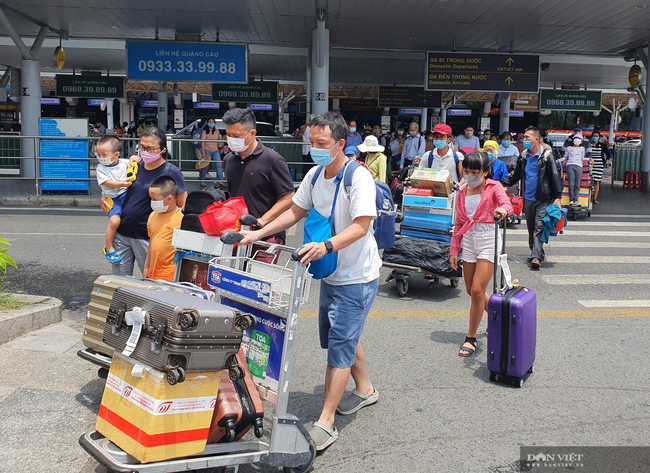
(356, 401)
(471, 351)
(322, 436)
(113, 257)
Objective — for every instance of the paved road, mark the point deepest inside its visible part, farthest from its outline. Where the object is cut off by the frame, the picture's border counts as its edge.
(437, 412)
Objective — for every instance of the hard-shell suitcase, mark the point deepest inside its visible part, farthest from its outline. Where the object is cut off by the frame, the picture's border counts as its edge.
(177, 332)
(100, 300)
(512, 328)
(239, 407)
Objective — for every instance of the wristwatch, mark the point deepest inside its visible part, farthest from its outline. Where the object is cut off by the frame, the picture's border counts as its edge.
(329, 246)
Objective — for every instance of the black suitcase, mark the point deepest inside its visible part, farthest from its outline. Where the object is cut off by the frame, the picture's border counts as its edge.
(198, 201)
(181, 333)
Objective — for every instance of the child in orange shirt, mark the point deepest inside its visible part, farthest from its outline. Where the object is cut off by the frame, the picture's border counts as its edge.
(165, 217)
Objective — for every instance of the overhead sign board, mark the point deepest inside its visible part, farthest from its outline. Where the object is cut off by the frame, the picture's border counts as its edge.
(89, 87)
(195, 62)
(460, 113)
(412, 97)
(482, 72)
(256, 106)
(74, 154)
(148, 103)
(410, 111)
(254, 92)
(571, 100)
(214, 105)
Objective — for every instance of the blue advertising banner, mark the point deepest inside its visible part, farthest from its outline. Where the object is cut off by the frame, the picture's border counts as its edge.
(219, 278)
(198, 62)
(263, 345)
(75, 165)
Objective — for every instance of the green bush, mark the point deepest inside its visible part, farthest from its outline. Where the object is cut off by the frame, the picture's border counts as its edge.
(5, 259)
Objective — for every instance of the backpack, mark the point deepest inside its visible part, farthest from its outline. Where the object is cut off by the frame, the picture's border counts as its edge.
(394, 147)
(197, 133)
(456, 160)
(384, 225)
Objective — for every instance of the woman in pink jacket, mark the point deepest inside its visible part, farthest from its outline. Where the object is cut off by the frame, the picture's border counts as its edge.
(479, 201)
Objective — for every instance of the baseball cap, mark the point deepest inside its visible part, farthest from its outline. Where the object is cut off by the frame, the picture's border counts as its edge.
(442, 129)
(350, 150)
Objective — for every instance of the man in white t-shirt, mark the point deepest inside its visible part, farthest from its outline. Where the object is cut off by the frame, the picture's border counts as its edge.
(347, 294)
(444, 156)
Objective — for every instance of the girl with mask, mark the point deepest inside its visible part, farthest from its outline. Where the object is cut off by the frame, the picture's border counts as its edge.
(478, 202)
(210, 152)
(573, 157)
(499, 168)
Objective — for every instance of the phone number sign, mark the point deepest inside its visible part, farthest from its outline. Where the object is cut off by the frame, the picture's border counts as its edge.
(189, 62)
(253, 92)
(89, 87)
(572, 100)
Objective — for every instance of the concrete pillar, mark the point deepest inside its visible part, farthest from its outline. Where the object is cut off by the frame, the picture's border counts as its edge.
(14, 84)
(443, 115)
(162, 106)
(612, 123)
(504, 122)
(320, 68)
(30, 105)
(110, 123)
(308, 91)
(645, 153)
(423, 120)
(125, 111)
(232, 105)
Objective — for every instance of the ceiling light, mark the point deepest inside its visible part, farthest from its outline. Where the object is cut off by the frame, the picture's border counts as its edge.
(412, 38)
(640, 7)
(561, 42)
(115, 27)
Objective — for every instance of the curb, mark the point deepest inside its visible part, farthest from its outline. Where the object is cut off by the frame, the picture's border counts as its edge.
(17, 322)
(50, 201)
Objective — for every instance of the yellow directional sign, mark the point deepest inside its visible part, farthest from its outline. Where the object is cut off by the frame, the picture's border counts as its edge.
(510, 61)
(509, 80)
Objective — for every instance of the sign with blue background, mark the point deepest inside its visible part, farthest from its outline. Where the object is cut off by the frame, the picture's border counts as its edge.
(258, 290)
(198, 62)
(75, 152)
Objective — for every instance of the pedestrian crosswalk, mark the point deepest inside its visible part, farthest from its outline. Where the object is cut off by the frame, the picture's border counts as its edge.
(601, 262)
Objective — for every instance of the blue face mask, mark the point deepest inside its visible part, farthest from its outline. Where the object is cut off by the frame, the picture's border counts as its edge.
(491, 156)
(594, 139)
(211, 125)
(527, 144)
(439, 144)
(353, 129)
(322, 156)
(505, 144)
(469, 134)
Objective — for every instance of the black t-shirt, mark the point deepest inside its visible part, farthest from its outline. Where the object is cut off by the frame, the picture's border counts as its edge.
(137, 203)
(262, 178)
(15, 127)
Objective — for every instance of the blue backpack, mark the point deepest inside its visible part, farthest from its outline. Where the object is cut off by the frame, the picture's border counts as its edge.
(383, 228)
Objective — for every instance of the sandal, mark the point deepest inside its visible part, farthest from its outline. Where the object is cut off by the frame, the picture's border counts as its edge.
(113, 257)
(470, 350)
(322, 436)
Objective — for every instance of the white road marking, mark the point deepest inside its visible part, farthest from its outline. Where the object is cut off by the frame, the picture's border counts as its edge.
(619, 216)
(561, 243)
(593, 304)
(54, 234)
(597, 279)
(570, 232)
(608, 224)
(71, 209)
(600, 259)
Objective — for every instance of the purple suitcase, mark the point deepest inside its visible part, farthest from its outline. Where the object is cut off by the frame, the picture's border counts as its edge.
(512, 330)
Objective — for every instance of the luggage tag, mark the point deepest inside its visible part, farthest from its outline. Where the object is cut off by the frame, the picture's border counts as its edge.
(136, 319)
(505, 270)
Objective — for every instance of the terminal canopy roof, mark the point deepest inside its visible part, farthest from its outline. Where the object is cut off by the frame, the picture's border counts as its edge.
(373, 42)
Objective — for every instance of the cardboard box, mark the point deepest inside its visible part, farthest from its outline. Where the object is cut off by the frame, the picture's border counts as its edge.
(440, 181)
(419, 191)
(583, 197)
(151, 420)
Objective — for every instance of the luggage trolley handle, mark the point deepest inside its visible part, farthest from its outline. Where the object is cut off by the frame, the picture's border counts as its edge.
(496, 287)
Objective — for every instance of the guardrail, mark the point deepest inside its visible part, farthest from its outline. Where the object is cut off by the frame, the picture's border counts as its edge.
(181, 149)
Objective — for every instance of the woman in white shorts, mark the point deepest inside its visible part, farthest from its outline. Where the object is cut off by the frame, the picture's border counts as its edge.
(479, 202)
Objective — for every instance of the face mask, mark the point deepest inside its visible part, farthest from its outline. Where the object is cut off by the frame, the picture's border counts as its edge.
(211, 125)
(439, 144)
(469, 134)
(577, 141)
(473, 181)
(159, 206)
(400, 133)
(488, 137)
(413, 133)
(353, 129)
(430, 138)
(238, 145)
(594, 139)
(491, 156)
(505, 144)
(322, 156)
(105, 161)
(527, 144)
(149, 157)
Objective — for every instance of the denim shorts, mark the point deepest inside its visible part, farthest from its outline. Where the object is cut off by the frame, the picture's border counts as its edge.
(118, 202)
(341, 316)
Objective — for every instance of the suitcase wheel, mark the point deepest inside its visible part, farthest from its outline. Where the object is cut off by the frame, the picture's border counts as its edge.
(230, 433)
(530, 370)
(259, 428)
(187, 320)
(235, 373)
(245, 322)
(494, 376)
(519, 382)
(175, 375)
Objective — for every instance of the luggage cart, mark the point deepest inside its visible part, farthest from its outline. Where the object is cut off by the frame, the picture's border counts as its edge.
(401, 273)
(268, 290)
(580, 211)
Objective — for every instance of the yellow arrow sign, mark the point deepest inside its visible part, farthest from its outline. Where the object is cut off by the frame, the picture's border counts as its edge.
(509, 80)
(510, 61)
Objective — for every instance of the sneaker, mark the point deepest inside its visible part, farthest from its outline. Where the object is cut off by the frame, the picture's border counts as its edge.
(535, 263)
(356, 401)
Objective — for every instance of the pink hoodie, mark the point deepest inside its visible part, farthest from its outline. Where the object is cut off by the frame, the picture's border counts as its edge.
(493, 196)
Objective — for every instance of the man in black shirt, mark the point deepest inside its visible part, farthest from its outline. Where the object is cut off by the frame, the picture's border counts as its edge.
(256, 173)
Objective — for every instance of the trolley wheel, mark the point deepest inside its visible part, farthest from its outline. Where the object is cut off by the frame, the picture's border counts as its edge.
(588, 213)
(519, 383)
(575, 216)
(102, 373)
(402, 287)
(173, 376)
(518, 219)
(230, 434)
(454, 282)
(181, 374)
(530, 370)
(310, 463)
(493, 376)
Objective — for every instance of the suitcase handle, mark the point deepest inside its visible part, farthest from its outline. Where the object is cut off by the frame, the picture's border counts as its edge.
(496, 287)
(230, 238)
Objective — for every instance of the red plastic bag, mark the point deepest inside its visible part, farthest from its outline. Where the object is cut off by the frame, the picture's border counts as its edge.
(221, 217)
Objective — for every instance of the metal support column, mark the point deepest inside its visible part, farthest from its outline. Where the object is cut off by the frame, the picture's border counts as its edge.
(308, 94)
(504, 121)
(110, 122)
(162, 106)
(320, 65)
(423, 119)
(645, 153)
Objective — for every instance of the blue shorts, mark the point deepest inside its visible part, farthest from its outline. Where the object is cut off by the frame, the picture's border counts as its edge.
(118, 202)
(341, 316)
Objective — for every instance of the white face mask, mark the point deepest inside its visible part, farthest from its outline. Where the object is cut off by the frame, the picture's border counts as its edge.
(238, 145)
(577, 141)
(159, 206)
(105, 161)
